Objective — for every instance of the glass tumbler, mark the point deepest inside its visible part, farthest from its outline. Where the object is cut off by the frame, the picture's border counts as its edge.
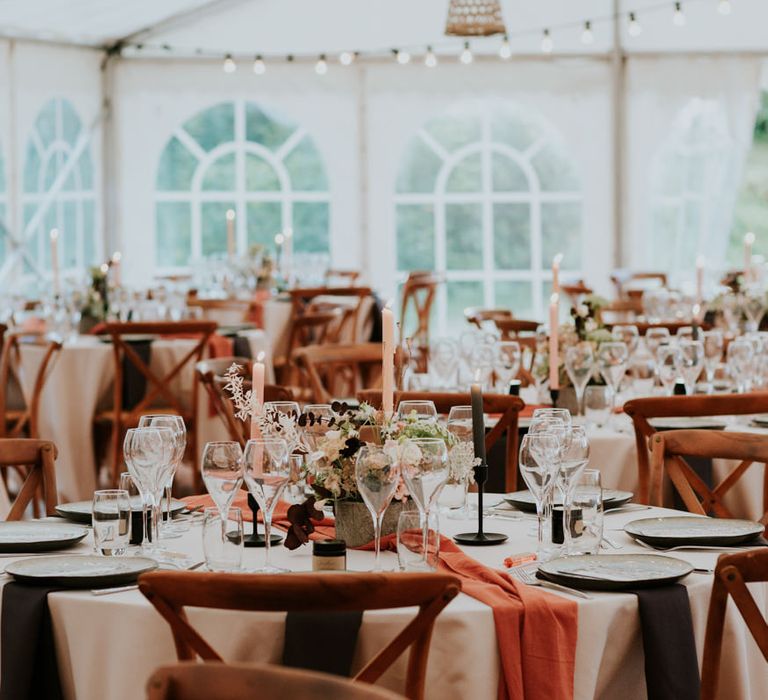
(223, 547)
(410, 541)
(111, 518)
(588, 498)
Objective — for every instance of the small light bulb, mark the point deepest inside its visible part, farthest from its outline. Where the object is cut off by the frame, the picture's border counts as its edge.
(430, 60)
(546, 42)
(229, 64)
(466, 54)
(505, 50)
(403, 57)
(634, 28)
(321, 67)
(259, 67)
(346, 58)
(724, 7)
(587, 36)
(678, 17)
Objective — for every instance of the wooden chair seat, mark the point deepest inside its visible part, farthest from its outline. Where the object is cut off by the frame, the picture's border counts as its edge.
(171, 592)
(732, 573)
(35, 461)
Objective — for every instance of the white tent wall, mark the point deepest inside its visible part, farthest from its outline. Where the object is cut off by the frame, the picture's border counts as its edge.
(30, 76)
(152, 98)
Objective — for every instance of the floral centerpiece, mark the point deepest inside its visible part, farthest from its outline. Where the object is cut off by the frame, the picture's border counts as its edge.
(95, 303)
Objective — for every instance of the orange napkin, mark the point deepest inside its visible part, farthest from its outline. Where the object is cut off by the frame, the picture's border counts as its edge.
(528, 410)
(256, 312)
(536, 631)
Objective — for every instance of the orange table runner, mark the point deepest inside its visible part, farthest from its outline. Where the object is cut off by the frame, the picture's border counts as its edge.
(536, 631)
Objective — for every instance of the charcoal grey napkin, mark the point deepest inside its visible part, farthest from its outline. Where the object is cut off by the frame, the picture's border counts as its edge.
(134, 382)
(321, 641)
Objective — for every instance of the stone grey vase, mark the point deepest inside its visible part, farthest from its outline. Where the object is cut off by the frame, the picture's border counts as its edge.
(354, 523)
(567, 399)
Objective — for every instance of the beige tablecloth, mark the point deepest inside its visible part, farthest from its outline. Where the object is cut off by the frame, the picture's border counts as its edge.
(107, 646)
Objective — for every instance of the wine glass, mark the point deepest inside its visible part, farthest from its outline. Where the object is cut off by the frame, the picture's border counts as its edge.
(754, 308)
(655, 338)
(666, 366)
(627, 334)
(316, 420)
(148, 453)
(482, 359)
(176, 424)
(454, 494)
(538, 453)
(642, 370)
(267, 471)
(377, 475)
(689, 362)
(222, 471)
(425, 472)
(579, 363)
(739, 357)
(444, 362)
(713, 353)
(612, 360)
(574, 455)
(507, 363)
(417, 410)
(546, 413)
(292, 411)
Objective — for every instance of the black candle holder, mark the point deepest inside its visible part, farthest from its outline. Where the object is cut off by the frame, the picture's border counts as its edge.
(257, 539)
(555, 395)
(480, 538)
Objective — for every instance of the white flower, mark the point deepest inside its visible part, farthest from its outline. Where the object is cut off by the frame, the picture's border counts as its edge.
(590, 325)
(410, 453)
(582, 310)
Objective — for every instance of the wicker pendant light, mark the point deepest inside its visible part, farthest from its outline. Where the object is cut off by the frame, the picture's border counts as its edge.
(474, 18)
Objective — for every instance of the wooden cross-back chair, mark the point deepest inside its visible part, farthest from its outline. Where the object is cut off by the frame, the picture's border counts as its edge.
(524, 332)
(478, 317)
(195, 681)
(669, 448)
(507, 407)
(171, 592)
(20, 422)
(418, 291)
(349, 277)
(642, 410)
(350, 300)
(210, 373)
(621, 278)
(224, 311)
(338, 371)
(159, 395)
(671, 326)
(575, 291)
(34, 461)
(732, 573)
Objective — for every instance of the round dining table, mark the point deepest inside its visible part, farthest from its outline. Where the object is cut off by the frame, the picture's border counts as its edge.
(108, 645)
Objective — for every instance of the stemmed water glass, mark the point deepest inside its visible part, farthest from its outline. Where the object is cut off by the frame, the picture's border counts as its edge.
(482, 359)
(739, 356)
(546, 413)
(508, 360)
(612, 360)
(444, 362)
(713, 353)
(666, 366)
(291, 410)
(454, 495)
(318, 418)
(377, 475)
(222, 471)
(538, 455)
(425, 476)
(627, 334)
(176, 424)
(754, 308)
(267, 471)
(689, 363)
(574, 455)
(423, 410)
(655, 338)
(579, 364)
(148, 453)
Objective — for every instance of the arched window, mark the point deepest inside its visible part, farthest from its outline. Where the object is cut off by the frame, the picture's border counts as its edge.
(693, 184)
(487, 196)
(236, 155)
(59, 190)
(3, 213)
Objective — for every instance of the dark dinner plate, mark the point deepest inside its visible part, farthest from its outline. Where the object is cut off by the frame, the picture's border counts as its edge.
(524, 500)
(677, 531)
(84, 571)
(38, 536)
(80, 511)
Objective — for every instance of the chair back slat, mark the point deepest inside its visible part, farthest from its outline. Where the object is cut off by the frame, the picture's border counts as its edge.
(732, 573)
(418, 291)
(172, 592)
(35, 460)
(508, 407)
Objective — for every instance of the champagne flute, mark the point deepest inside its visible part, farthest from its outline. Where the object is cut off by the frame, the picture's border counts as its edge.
(612, 360)
(377, 475)
(222, 471)
(579, 363)
(267, 471)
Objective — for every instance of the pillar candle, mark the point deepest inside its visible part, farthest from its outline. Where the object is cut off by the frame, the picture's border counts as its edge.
(117, 276)
(388, 361)
(478, 423)
(749, 240)
(257, 389)
(556, 273)
(699, 279)
(55, 261)
(554, 354)
(231, 247)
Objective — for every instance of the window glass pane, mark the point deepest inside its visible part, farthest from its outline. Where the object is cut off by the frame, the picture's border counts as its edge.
(220, 175)
(264, 220)
(460, 295)
(51, 171)
(464, 236)
(89, 232)
(466, 176)
(72, 183)
(664, 231)
(419, 168)
(177, 167)
(555, 170)
(260, 176)
(213, 226)
(310, 227)
(50, 221)
(689, 245)
(512, 131)
(507, 175)
(68, 236)
(454, 131)
(2, 234)
(213, 126)
(512, 236)
(561, 233)
(86, 170)
(32, 165)
(514, 295)
(261, 128)
(45, 125)
(305, 167)
(70, 122)
(173, 239)
(415, 237)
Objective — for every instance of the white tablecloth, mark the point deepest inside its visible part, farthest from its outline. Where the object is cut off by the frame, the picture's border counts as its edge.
(107, 646)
